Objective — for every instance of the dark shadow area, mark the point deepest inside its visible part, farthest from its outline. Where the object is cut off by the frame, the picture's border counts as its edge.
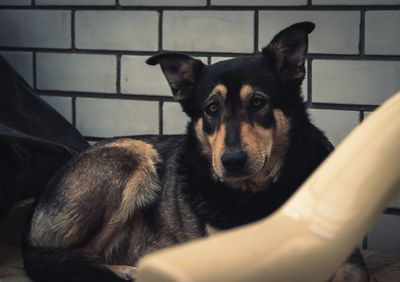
(35, 140)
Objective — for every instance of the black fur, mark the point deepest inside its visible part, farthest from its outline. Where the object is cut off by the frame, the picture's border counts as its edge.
(52, 264)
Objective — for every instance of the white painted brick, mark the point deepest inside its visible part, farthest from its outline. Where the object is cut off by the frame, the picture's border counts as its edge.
(22, 62)
(385, 235)
(259, 2)
(117, 30)
(163, 2)
(15, 2)
(217, 31)
(382, 36)
(335, 124)
(139, 78)
(215, 60)
(76, 2)
(355, 2)
(112, 117)
(76, 72)
(174, 119)
(335, 32)
(63, 105)
(35, 28)
(354, 82)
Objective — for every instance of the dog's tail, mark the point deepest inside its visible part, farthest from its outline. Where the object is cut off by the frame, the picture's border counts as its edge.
(44, 264)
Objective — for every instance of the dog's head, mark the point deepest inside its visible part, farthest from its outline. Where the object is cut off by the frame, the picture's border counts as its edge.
(236, 106)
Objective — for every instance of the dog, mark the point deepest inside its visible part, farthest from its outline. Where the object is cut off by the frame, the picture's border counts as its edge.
(249, 145)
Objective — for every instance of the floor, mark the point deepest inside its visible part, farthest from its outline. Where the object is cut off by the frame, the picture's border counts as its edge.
(384, 267)
(11, 228)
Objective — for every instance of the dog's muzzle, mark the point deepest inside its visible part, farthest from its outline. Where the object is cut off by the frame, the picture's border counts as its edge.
(234, 161)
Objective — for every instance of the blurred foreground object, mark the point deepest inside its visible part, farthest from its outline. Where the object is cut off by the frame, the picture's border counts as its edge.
(315, 231)
(35, 140)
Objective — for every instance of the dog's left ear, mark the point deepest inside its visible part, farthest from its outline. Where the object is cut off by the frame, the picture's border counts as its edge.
(289, 49)
(181, 71)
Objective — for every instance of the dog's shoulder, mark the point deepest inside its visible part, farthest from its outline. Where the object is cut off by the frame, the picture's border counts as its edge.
(317, 146)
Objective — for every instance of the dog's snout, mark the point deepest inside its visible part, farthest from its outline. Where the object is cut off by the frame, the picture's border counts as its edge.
(234, 159)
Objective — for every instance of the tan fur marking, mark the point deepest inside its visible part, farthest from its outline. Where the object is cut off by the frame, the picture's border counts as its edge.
(220, 90)
(142, 187)
(217, 141)
(130, 144)
(274, 163)
(266, 149)
(206, 146)
(257, 142)
(281, 141)
(245, 92)
(213, 145)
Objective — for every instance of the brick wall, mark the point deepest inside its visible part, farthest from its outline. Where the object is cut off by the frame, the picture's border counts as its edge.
(87, 59)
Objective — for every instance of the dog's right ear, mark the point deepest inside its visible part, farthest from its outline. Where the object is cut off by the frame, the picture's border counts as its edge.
(289, 49)
(181, 71)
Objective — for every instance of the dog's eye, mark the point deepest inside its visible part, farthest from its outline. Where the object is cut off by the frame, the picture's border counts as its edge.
(257, 103)
(212, 108)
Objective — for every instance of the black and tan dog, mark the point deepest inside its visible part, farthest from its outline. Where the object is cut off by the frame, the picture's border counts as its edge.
(249, 146)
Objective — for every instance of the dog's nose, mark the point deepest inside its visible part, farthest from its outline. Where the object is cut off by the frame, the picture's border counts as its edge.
(234, 159)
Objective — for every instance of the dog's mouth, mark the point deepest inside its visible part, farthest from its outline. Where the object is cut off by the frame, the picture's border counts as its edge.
(246, 178)
(257, 175)
(248, 183)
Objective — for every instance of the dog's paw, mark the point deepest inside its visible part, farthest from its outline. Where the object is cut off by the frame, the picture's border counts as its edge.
(128, 273)
(125, 272)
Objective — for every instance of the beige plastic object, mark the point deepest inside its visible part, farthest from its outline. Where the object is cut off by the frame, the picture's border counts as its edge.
(314, 232)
